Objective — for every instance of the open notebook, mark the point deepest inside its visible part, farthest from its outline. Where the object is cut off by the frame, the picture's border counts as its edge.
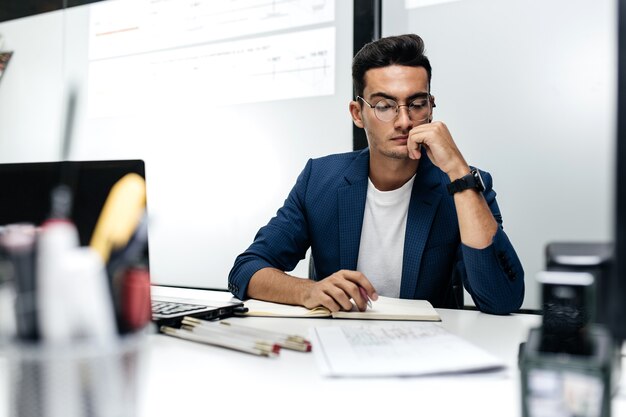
(384, 308)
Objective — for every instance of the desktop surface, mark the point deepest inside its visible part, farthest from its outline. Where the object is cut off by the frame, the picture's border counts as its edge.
(291, 384)
(186, 378)
(257, 386)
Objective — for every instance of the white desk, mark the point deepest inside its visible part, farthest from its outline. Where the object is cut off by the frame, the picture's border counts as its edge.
(183, 378)
(291, 385)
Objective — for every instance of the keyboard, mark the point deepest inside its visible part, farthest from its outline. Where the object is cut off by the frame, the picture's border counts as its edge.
(171, 309)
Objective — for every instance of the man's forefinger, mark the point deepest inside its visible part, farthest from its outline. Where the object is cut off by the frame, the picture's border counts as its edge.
(361, 280)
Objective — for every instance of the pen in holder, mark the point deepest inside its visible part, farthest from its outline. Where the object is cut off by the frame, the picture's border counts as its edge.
(68, 356)
(69, 360)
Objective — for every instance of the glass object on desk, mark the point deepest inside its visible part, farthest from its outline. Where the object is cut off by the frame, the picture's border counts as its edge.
(566, 365)
(74, 381)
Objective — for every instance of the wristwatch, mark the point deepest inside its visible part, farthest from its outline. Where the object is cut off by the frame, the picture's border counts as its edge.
(472, 180)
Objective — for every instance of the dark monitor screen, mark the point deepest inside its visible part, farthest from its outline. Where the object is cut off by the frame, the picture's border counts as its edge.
(25, 190)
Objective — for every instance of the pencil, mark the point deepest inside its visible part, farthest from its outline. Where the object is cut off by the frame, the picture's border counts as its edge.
(287, 341)
(219, 340)
(218, 332)
(293, 342)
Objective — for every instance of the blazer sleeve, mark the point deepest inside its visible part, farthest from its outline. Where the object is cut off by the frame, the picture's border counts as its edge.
(280, 244)
(493, 276)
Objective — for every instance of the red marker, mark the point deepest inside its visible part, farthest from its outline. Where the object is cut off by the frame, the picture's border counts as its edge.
(136, 304)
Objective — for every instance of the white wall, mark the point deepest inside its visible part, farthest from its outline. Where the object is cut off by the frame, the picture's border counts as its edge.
(527, 88)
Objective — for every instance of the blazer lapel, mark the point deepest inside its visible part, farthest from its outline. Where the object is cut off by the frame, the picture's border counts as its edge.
(422, 209)
(351, 203)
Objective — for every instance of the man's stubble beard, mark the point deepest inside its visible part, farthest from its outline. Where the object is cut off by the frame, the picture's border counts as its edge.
(396, 155)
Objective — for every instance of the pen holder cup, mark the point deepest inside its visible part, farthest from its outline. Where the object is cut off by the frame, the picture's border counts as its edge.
(74, 381)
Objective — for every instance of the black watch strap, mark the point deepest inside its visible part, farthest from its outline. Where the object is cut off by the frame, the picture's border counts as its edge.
(472, 180)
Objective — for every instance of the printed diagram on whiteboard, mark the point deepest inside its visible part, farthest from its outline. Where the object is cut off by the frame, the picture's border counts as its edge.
(186, 54)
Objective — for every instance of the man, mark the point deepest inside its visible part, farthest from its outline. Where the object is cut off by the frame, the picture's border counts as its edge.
(407, 217)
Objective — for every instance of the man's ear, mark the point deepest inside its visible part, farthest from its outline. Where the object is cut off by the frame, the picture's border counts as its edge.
(355, 112)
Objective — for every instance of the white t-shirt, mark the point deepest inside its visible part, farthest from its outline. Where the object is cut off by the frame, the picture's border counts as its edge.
(382, 237)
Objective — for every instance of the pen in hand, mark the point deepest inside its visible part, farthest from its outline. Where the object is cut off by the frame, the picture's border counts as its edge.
(364, 295)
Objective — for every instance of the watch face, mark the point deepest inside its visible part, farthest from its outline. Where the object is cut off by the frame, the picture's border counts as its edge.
(480, 185)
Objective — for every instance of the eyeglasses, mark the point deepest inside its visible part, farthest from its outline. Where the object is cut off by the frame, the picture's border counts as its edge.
(387, 110)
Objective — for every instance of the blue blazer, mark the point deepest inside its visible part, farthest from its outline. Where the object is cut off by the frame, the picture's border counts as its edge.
(324, 211)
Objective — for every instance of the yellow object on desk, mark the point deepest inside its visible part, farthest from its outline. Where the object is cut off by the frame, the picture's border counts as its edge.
(120, 215)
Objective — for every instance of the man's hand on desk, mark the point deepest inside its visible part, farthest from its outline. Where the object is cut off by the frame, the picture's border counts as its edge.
(335, 291)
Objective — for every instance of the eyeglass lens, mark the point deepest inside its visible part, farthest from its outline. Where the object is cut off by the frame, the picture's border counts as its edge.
(386, 109)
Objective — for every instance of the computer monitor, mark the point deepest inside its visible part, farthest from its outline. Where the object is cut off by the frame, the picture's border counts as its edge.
(26, 188)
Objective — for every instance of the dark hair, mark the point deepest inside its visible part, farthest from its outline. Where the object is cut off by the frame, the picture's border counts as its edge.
(405, 50)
